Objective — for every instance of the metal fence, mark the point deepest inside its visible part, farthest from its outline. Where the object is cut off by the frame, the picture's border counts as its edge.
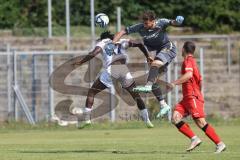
(26, 94)
(25, 86)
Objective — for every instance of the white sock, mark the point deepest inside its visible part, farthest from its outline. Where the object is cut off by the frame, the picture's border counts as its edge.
(219, 143)
(193, 138)
(144, 114)
(149, 83)
(87, 109)
(87, 113)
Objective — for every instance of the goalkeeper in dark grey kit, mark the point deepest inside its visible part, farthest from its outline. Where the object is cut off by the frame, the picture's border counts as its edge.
(153, 32)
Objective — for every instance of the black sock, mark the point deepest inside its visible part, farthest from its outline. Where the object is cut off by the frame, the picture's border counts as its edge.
(136, 97)
(153, 74)
(140, 104)
(205, 128)
(179, 124)
(157, 92)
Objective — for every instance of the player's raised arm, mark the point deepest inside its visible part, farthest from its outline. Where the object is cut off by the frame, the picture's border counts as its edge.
(142, 48)
(90, 55)
(118, 35)
(128, 30)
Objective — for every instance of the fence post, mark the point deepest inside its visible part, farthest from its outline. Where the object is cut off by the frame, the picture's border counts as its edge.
(239, 70)
(34, 88)
(146, 72)
(50, 90)
(15, 84)
(67, 23)
(169, 94)
(229, 59)
(113, 111)
(118, 19)
(202, 69)
(9, 82)
(92, 22)
(176, 75)
(49, 18)
(91, 63)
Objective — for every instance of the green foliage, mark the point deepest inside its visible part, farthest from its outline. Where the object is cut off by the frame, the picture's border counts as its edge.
(202, 15)
(9, 13)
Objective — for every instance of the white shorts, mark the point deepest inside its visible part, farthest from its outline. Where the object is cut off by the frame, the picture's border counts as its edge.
(119, 72)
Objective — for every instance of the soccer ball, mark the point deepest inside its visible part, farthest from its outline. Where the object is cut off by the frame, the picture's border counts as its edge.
(101, 20)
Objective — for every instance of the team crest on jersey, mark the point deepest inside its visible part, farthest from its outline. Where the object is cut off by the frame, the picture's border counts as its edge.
(109, 48)
(154, 35)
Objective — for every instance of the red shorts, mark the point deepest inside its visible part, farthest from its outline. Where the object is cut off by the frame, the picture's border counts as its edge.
(191, 106)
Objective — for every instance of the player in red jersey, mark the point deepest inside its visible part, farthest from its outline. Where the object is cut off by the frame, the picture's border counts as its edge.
(192, 102)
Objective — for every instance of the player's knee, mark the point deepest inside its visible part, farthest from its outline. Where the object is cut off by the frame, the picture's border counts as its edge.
(176, 118)
(201, 122)
(157, 63)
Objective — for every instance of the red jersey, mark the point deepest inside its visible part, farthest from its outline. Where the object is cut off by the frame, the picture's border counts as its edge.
(193, 86)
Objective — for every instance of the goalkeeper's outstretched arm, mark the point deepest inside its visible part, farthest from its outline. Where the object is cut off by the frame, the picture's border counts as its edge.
(118, 35)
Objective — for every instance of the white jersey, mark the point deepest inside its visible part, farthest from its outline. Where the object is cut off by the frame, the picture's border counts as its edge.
(119, 51)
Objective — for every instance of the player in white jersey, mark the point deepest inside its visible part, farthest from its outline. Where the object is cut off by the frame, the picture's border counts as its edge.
(114, 62)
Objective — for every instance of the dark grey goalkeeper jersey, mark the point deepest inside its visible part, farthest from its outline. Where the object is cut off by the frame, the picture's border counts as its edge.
(154, 39)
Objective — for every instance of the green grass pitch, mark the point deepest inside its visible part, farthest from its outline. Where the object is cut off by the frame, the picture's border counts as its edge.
(122, 141)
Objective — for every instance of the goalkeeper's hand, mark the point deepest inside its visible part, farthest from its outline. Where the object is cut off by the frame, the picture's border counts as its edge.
(179, 19)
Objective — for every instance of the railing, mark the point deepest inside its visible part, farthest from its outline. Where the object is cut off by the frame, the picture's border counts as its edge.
(17, 93)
